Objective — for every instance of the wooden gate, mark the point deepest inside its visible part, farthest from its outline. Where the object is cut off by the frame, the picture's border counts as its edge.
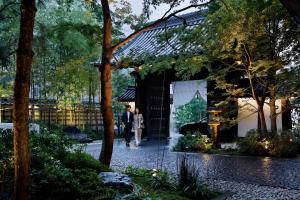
(153, 96)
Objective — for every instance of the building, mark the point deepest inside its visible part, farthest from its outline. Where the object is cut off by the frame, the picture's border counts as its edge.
(160, 94)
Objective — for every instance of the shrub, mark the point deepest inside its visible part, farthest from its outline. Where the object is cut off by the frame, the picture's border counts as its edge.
(81, 160)
(162, 179)
(139, 172)
(55, 143)
(57, 171)
(193, 143)
(187, 184)
(6, 163)
(54, 181)
(6, 143)
(282, 144)
(61, 172)
(253, 144)
(189, 181)
(285, 145)
(93, 134)
(158, 179)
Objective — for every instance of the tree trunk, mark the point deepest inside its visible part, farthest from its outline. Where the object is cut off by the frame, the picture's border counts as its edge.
(105, 70)
(95, 114)
(273, 114)
(260, 101)
(262, 119)
(21, 101)
(106, 90)
(88, 114)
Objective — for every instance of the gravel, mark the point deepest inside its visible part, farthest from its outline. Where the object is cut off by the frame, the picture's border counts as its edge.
(243, 177)
(243, 191)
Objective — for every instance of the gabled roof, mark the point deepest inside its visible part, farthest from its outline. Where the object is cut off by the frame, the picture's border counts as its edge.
(128, 95)
(147, 42)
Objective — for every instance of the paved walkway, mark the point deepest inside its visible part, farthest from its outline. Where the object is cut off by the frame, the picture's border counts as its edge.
(283, 173)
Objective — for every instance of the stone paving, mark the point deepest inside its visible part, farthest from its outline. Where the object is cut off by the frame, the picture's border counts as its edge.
(254, 177)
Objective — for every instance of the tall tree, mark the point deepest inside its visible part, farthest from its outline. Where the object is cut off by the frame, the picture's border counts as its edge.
(253, 40)
(21, 101)
(105, 66)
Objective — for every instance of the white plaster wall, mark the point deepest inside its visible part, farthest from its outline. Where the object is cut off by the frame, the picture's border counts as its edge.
(247, 115)
(132, 104)
(32, 126)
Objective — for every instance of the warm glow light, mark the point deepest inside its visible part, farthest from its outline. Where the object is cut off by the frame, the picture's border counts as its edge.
(238, 62)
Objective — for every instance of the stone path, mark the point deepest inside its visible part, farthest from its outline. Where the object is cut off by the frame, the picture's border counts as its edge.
(251, 176)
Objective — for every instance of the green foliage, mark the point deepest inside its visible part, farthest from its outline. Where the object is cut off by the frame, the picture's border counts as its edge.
(154, 184)
(246, 39)
(189, 181)
(54, 143)
(250, 39)
(133, 171)
(6, 145)
(281, 144)
(93, 134)
(120, 81)
(155, 64)
(54, 181)
(80, 160)
(6, 163)
(58, 169)
(159, 179)
(193, 111)
(162, 179)
(253, 144)
(9, 26)
(193, 143)
(286, 144)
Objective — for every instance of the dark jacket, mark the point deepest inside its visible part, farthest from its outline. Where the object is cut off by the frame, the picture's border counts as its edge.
(125, 118)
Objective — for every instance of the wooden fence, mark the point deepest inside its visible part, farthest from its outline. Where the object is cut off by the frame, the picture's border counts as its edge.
(82, 116)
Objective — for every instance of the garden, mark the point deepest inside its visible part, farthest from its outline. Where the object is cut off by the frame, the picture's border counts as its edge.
(65, 63)
(283, 144)
(60, 169)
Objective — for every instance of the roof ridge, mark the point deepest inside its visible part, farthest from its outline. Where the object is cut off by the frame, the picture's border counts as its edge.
(146, 42)
(173, 21)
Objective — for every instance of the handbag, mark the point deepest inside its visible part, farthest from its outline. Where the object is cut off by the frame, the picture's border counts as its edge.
(142, 125)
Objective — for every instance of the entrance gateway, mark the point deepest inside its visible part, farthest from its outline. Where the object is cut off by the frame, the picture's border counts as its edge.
(154, 97)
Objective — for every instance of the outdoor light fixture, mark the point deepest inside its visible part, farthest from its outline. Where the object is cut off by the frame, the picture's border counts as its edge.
(267, 144)
(238, 62)
(214, 123)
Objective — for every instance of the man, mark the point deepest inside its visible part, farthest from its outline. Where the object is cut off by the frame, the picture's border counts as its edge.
(127, 120)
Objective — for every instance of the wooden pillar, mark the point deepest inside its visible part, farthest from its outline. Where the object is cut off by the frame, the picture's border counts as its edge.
(286, 114)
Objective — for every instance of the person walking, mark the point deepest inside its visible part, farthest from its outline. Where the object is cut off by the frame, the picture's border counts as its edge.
(138, 126)
(127, 120)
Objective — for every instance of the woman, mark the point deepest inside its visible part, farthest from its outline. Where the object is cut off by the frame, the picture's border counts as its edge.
(138, 125)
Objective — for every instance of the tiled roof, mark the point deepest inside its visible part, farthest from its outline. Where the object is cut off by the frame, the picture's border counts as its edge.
(128, 95)
(147, 42)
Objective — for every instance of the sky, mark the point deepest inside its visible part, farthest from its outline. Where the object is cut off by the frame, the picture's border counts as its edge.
(157, 13)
